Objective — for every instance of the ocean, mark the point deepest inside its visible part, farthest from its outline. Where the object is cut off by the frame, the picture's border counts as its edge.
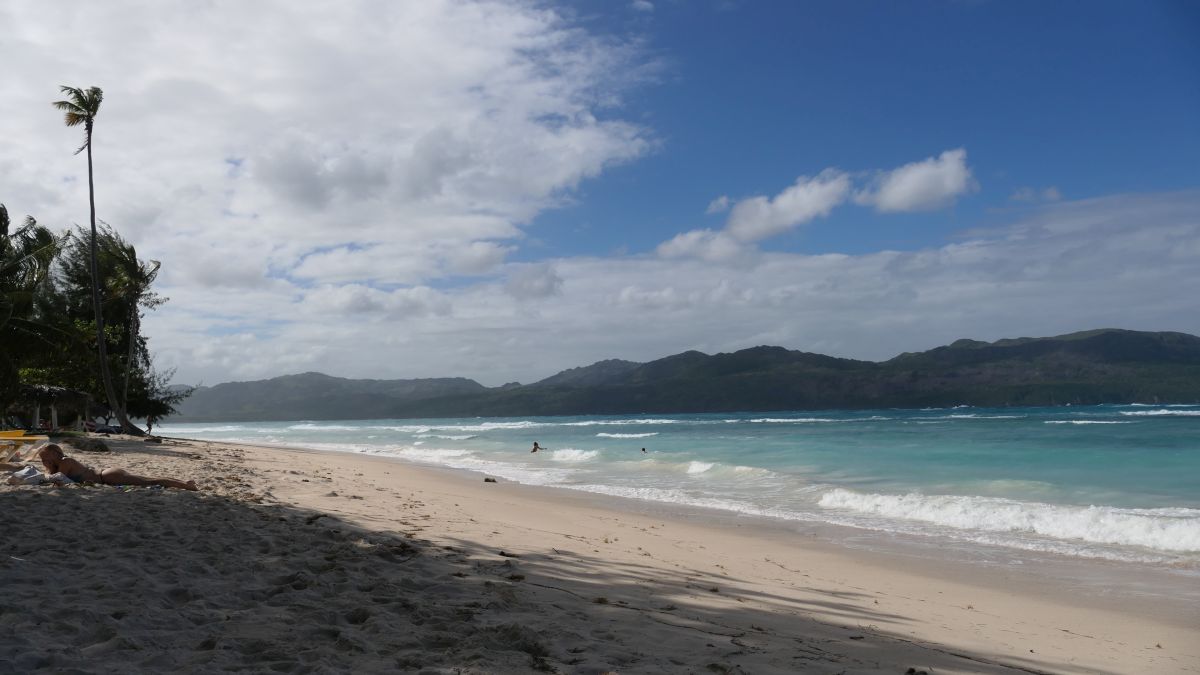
(1109, 483)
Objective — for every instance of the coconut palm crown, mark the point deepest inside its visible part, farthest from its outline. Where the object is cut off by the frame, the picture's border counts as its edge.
(81, 107)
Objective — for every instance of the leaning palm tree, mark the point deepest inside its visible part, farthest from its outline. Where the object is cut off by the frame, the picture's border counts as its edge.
(81, 107)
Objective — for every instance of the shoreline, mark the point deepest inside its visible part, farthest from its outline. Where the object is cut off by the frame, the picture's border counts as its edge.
(502, 577)
(1169, 595)
(1108, 584)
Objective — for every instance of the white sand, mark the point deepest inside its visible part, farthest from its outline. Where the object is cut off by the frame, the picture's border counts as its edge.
(297, 561)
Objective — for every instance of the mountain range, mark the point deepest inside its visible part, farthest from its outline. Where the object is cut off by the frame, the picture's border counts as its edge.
(1091, 367)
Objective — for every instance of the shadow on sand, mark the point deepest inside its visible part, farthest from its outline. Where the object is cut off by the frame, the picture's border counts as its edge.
(102, 579)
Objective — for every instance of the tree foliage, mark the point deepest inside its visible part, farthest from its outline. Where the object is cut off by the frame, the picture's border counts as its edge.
(48, 323)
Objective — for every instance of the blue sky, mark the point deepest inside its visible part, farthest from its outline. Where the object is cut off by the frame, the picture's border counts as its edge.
(1093, 98)
(502, 189)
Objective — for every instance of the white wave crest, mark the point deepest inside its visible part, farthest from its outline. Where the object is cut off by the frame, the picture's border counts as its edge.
(594, 423)
(794, 420)
(1170, 529)
(1162, 412)
(1088, 422)
(448, 437)
(573, 455)
(313, 426)
(699, 467)
(974, 416)
(685, 498)
(430, 454)
(488, 426)
(606, 435)
(172, 429)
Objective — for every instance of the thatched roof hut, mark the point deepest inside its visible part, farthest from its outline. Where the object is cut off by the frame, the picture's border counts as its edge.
(31, 398)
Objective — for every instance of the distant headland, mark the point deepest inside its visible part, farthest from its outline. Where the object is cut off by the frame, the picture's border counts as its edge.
(1091, 367)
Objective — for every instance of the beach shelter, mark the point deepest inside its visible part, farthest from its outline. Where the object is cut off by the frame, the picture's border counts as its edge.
(32, 398)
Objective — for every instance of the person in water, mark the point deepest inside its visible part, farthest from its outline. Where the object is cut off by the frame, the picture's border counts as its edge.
(56, 462)
(536, 447)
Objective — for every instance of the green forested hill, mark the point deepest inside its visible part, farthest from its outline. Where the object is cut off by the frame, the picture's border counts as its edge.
(1100, 366)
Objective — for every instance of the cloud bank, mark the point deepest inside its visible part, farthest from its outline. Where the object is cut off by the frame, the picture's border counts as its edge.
(1125, 261)
(346, 188)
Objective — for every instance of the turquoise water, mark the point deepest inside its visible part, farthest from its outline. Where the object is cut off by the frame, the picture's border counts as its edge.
(1110, 482)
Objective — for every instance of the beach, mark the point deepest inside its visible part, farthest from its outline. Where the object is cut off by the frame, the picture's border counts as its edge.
(292, 560)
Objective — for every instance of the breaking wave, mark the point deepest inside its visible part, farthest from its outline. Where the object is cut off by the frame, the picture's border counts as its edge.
(573, 455)
(1162, 412)
(1167, 529)
(646, 435)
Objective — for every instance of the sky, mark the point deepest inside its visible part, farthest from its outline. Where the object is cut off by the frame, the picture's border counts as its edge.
(501, 190)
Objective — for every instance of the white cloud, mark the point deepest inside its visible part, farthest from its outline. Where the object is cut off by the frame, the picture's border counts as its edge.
(642, 5)
(1038, 276)
(428, 133)
(526, 282)
(372, 304)
(922, 185)
(1029, 194)
(757, 218)
(718, 205)
(703, 244)
(345, 187)
(926, 185)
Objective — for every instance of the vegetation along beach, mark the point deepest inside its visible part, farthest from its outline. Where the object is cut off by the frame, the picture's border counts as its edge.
(600, 338)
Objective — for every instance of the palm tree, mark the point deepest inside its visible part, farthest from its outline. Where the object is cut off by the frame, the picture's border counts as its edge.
(81, 107)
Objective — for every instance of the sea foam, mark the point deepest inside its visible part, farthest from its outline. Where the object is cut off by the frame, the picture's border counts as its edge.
(314, 426)
(448, 437)
(795, 420)
(172, 429)
(608, 435)
(1162, 412)
(1168, 529)
(573, 455)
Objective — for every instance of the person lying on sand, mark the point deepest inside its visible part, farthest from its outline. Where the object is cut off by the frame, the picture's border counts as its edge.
(56, 462)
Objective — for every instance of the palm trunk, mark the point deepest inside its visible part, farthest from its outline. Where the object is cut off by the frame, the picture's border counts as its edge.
(101, 343)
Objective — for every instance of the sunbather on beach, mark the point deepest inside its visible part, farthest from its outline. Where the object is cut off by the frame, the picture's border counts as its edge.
(56, 462)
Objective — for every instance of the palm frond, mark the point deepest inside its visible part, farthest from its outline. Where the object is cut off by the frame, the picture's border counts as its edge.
(80, 107)
(30, 255)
